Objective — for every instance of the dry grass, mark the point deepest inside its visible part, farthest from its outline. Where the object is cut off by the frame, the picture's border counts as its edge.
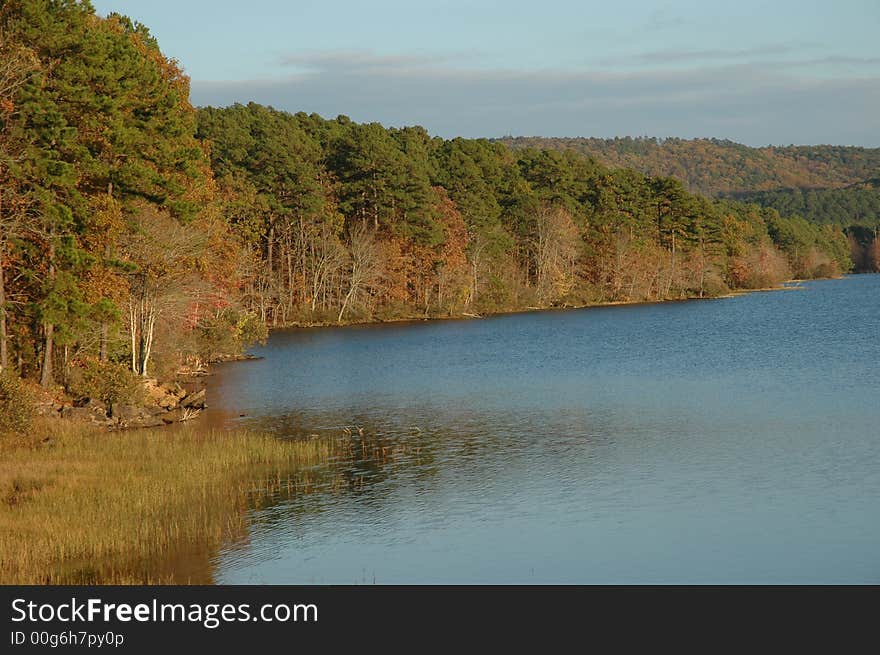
(87, 506)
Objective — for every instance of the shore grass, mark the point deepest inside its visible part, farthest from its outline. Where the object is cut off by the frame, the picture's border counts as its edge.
(79, 505)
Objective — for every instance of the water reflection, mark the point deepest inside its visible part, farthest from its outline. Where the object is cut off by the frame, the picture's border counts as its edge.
(730, 440)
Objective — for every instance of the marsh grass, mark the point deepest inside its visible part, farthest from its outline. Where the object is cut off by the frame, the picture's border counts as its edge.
(83, 506)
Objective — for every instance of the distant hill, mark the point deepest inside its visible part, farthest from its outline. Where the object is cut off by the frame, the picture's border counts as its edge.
(715, 167)
(857, 204)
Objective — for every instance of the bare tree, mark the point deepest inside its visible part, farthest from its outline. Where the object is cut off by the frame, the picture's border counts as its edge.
(327, 260)
(476, 256)
(365, 268)
(555, 253)
(166, 254)
(874, 253)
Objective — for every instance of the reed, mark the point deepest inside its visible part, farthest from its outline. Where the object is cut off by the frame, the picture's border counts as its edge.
(82, 506)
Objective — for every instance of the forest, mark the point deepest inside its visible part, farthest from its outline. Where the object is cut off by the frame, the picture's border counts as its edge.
(139, 234)
(823, 184)
(716, 167)
(858, 204)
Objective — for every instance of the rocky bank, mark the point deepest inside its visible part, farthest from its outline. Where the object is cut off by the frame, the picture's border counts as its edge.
(163, 403)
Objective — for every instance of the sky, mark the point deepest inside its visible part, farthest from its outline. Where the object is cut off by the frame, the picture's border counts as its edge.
(772, 72)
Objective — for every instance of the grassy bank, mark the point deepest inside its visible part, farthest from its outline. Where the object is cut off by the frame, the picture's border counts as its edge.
(80, 505)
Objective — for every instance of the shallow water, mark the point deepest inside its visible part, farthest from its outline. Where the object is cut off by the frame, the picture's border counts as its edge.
(730, 440)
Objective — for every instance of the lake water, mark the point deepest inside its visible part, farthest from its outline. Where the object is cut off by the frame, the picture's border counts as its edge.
(730, 440)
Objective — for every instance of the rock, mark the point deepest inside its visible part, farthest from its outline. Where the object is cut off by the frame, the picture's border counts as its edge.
(46, 409)
(180, 415)
(126, 412)
(171, 417)
(191, 386)
(153, 393)
(146, 422)
(90, 411)
(77, 413)
(195, 400)
(168, 402)
(173, 389)
(143, 420)
(91, 403)
(163, 395)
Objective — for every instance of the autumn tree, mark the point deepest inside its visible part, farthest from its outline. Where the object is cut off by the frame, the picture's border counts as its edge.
(365, 269)
(556, 253)
(17, 64)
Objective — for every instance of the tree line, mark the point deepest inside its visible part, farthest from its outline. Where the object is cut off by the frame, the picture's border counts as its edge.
(823, 184)
(141, 233)
(856, 208)
(716, 167)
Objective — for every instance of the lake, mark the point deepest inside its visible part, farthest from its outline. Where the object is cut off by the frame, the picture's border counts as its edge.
(734, 440)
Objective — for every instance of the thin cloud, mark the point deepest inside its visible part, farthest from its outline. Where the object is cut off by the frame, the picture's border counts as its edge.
(664, 18)
(672, 56)
(836, 60)
(754, 104)
(367, 60)
(351, 59)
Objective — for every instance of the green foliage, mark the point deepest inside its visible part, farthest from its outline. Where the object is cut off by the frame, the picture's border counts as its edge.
(16, 404)
(717, 166)
(101, 127)
(382, 178)
(109, 382)
(230, 332)
(813, 250)
(134, 222)
(854, 205)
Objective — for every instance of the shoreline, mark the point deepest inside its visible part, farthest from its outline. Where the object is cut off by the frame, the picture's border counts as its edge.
(146, 417)
(376, 322)
(188, 490)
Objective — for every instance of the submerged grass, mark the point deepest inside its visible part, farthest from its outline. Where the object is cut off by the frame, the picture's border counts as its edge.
(84, 506)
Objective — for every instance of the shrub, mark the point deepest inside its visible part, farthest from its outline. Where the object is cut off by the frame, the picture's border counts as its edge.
(108, 382)
(714, 285)
(817, 264)
(762, 267)
(16, 404)
(229, 332)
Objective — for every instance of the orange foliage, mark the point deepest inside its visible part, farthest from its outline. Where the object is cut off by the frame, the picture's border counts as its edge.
(761, 267)
(421, 275)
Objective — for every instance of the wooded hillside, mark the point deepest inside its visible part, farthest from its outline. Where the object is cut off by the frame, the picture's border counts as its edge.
(714, 166)
(139, 233)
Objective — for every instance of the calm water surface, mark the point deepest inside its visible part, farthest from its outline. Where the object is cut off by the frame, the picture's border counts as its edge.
(731, 440)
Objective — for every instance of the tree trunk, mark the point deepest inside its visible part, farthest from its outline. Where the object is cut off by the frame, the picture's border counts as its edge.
(105, 326)
(270, 247)
(4, 354)
(290, 271)
(4, 348)
(702, 267)
(345, 304)
(46, 377)
(132, 325)
(105, 331)
(147, 338)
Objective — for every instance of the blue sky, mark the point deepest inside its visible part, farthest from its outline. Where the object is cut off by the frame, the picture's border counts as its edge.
(756, 72)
